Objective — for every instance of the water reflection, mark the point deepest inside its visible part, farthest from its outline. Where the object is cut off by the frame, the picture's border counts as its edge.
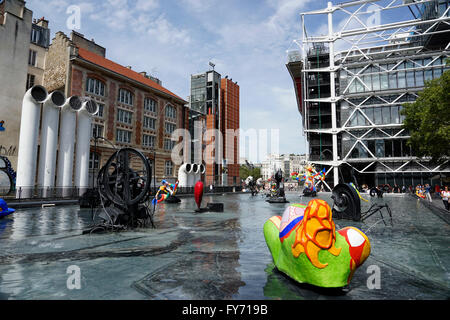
(220, 255)
(45, 221)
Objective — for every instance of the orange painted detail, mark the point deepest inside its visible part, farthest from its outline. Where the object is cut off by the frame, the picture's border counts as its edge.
(316, 232)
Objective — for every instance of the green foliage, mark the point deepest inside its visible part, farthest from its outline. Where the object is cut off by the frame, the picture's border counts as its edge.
(245, 172)
(428, 120)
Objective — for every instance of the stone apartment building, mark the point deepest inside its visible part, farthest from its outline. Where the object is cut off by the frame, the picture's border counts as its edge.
(135, 110)
(15, 30)
(39, 43)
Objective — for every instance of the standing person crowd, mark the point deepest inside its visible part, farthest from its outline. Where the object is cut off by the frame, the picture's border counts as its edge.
(445, 195)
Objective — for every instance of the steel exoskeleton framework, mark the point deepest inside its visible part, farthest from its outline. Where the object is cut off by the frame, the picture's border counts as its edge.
(380, 67)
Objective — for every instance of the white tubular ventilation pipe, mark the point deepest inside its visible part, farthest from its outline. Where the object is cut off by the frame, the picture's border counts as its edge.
(67, 145)
(28, 143)
(183, 174)
(49, 141)
(192, 175)
(84, 123)
(198, 174)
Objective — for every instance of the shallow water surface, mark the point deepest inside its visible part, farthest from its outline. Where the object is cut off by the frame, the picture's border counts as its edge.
(212, 255)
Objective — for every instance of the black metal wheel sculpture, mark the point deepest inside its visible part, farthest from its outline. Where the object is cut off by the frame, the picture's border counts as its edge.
(347, 204)
(123, 186)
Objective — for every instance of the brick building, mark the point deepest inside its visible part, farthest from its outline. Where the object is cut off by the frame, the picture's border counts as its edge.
(214, 102)
(135, 110)
(230, 108)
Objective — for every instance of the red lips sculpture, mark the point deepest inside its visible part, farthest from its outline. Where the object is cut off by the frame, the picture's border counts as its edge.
(198, 193)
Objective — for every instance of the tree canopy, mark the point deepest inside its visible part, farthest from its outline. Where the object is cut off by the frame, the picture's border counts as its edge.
(246, 171)
(428, 120)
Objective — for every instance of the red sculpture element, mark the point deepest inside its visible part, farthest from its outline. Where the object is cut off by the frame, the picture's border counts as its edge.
(198, 192)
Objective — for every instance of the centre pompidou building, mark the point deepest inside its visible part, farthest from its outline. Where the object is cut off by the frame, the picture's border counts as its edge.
(351, 85)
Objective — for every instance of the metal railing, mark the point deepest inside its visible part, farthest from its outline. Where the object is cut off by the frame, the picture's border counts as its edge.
(48, 194)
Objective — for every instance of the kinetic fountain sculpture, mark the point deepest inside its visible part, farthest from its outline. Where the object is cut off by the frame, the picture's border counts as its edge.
(277, 194)
(305, 245)
(198, 195)
(124, 192)
(251, 184)
(347, 204)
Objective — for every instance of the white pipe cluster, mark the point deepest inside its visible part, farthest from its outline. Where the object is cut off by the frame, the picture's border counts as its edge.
(49, 141)
(84, 123)
(54, 105)
(189, 174)
(67, 144)
(28, 143)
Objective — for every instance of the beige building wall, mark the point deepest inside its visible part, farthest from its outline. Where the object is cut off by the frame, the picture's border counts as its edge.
(14, 49)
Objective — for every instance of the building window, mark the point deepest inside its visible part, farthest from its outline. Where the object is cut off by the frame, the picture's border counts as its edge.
(169, 168)
(150, 105)
(95, 86)
(32, 58)
(30, 81)
(97, 130)
(171, 112)
(170, 127)
(149, 123)
(123, 136)
(94, 160)
(169, 144)
(125, 97)
(148, 141)
(35, 35)
(101, 109)
(124, 116)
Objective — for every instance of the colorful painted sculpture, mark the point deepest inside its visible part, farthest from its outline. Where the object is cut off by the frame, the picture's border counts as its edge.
(4, 209)
(165, 191)
(305, 245)
(310, 177)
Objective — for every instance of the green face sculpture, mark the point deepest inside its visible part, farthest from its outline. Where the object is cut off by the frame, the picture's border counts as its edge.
(305, 245)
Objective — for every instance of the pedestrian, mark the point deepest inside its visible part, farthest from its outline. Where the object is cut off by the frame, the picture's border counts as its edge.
(445, 196)
(428, 192)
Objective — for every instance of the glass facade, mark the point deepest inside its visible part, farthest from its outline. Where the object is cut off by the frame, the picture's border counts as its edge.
(378, 109)
(390, 76)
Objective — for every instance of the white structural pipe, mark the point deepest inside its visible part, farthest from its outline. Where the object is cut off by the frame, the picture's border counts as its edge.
(28, 143)
(192, 175)
(84, 123)
(183, 173)
(198, 174)
(49, 141)
(67, 145)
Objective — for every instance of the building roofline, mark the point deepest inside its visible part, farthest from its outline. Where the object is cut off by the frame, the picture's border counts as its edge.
(124, 73)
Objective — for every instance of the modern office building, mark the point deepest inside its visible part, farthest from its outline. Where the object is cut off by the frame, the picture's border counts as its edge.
(135, 110)
(214, 105)
(351, 85)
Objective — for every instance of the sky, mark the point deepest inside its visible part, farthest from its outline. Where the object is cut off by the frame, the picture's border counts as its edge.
(172, 39)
